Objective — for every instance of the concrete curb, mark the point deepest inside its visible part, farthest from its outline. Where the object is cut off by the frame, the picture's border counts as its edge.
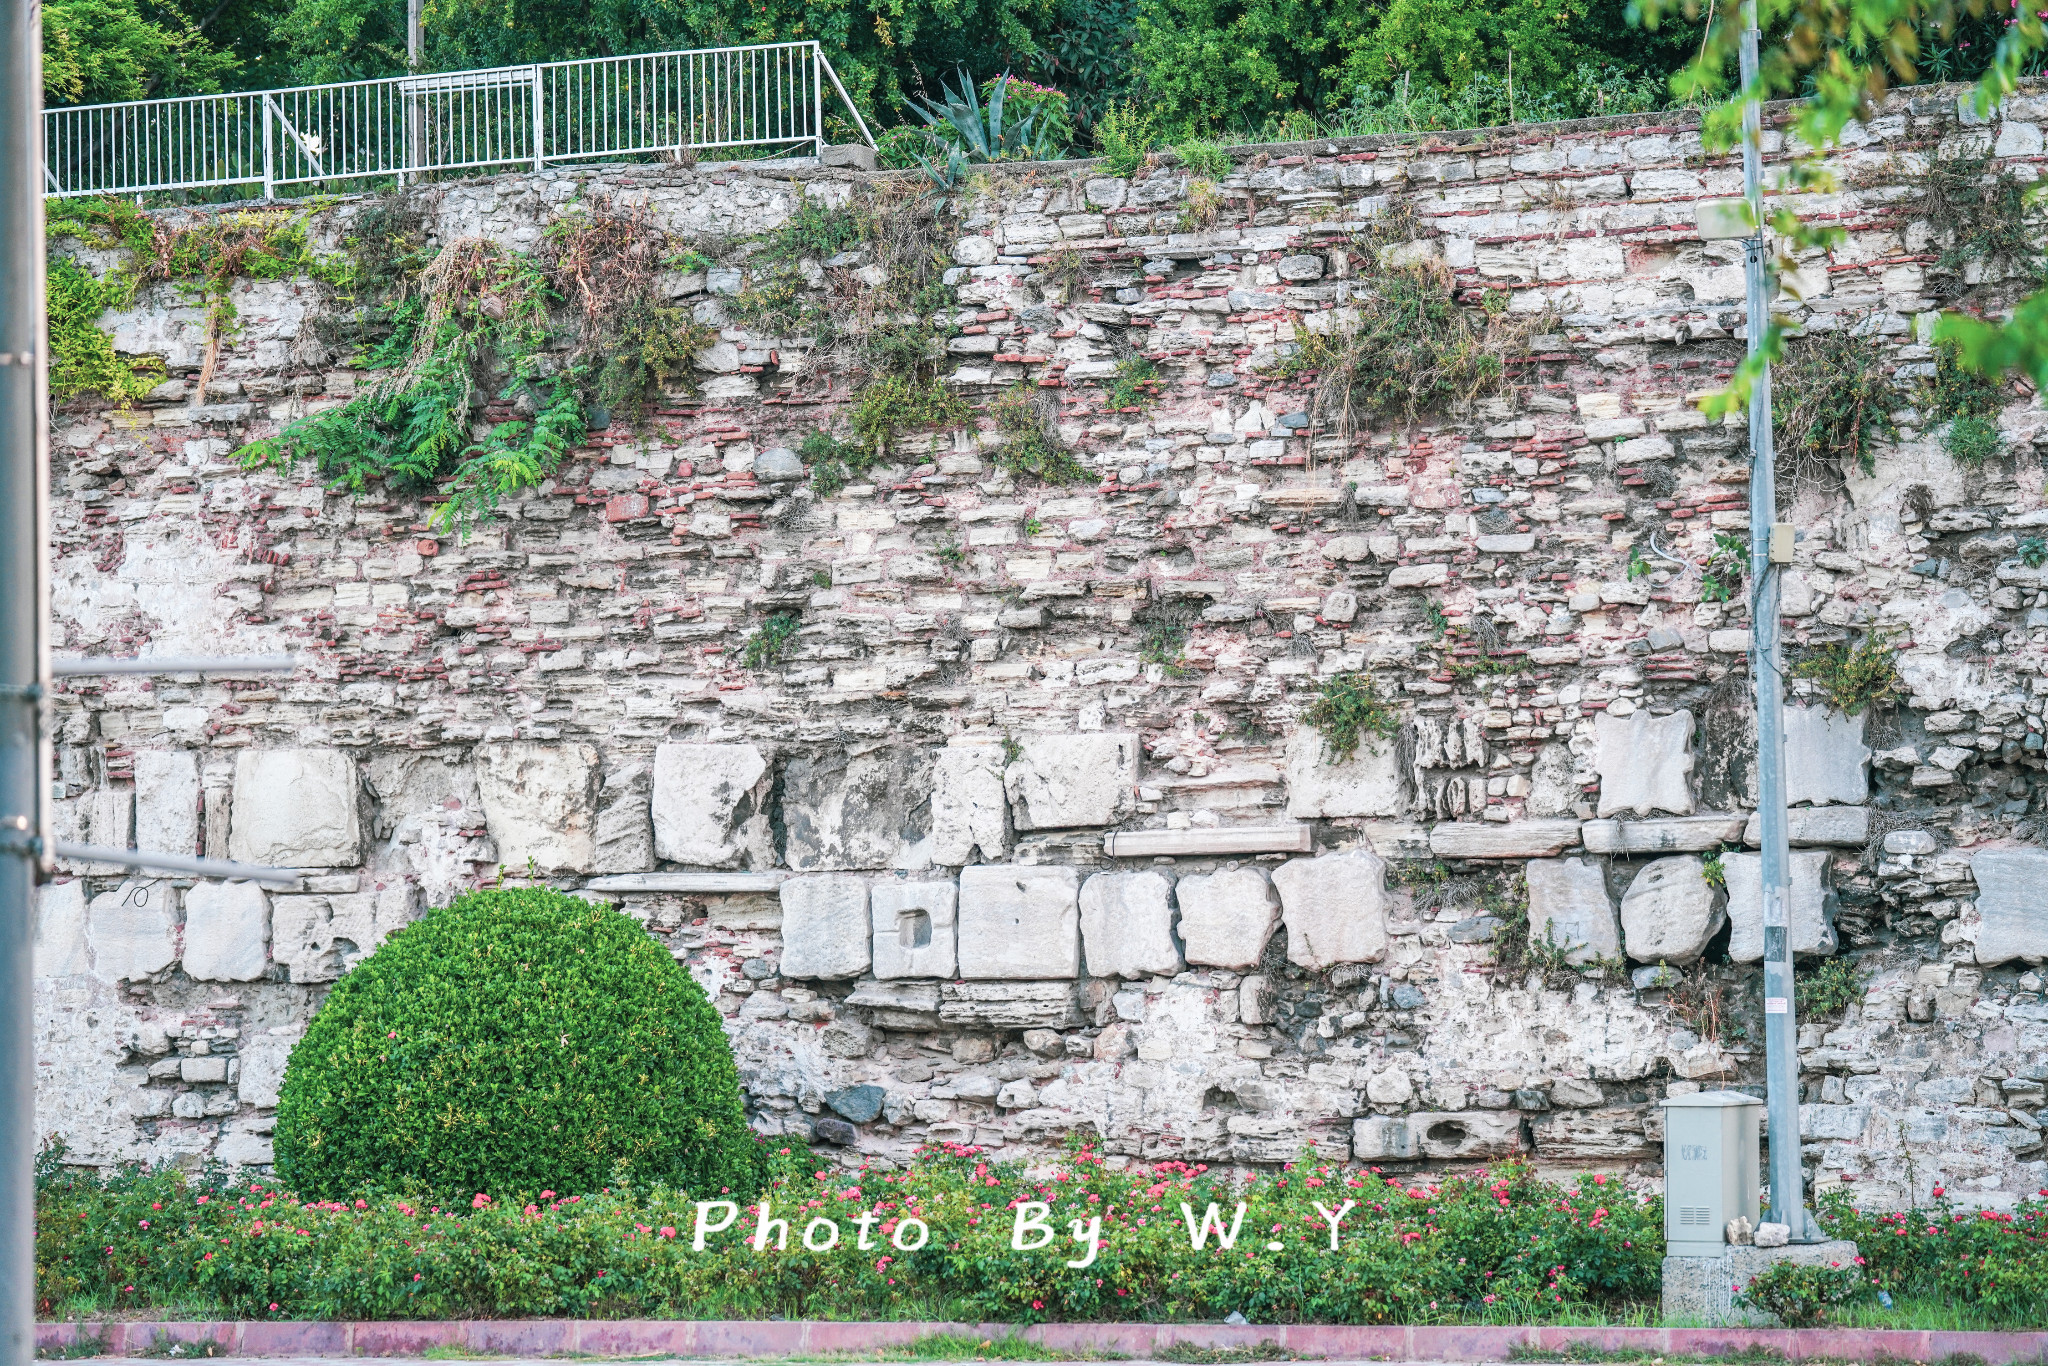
(713, 1338)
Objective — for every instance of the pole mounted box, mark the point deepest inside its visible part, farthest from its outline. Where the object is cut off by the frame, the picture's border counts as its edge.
(1712, 1143)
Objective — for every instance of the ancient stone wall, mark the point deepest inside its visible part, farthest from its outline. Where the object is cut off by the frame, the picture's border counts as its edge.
(1023, 833)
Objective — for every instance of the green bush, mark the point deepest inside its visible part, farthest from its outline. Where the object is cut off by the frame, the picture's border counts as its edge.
(516, 1040)
(1800, 1295)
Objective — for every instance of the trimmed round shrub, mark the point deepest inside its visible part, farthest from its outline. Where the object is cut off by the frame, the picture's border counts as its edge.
(514, 1041)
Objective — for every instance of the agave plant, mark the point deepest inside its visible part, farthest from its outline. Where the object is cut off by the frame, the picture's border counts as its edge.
(982, 134)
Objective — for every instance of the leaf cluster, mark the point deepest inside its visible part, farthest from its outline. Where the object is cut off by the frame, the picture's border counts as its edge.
(1348, 709)
(1865, 675)
(1030, 443)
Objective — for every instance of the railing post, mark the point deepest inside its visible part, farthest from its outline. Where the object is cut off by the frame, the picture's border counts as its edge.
(818, 99)
(269, 175)
(539, 123)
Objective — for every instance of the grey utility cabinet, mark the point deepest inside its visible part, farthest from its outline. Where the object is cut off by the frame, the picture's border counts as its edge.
(1712, 1142)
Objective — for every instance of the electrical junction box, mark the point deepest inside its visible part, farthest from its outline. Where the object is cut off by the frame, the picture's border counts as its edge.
(1782, 539)
(1713, 1142)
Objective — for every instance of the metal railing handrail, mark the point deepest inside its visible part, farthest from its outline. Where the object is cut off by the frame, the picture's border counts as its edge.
(416, 123)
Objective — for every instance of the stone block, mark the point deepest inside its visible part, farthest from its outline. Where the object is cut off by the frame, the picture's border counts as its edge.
(1011, 1005)
(1063, 781)
(227, 932)
(318, 938)
(60, 943)
(1226, 917)
(1334, 907)
(826, 930)
(710, 804)
(913, 928)
(1467, 1135)
(262, 1071)
(540, 803)
(861, 808)
(1019, 923)
(1663, 835)
(295, 808)
(1811, 913)
(1598, 1136)
(167, 802)
(1369, 782)
(2012, 907)
(970, 808)
(1847, 826)
(1645, 763)
(1670, 911)
(1127, 925)
(132, 931)
(1502, 839)
(624, 833)
(1702, 1289)
(1569, 905)
(1383, 1138)
(1826, 760)
(899, 1004)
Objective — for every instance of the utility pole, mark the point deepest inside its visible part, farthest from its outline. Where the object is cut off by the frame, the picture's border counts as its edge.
(1770, 545)
(24, 665)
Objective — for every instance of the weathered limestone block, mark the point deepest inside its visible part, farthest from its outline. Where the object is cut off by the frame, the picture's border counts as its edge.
(1226, 917)
(540, 802)
(1019, 923)
(866, 808)
(167, 802)
(1498, 839)
(1383, 1138)
(1059, 781)
(318, 938)
(60, 949)
(826, 930)
(1011, 1005)
(246, 1143)
(1645, 763)
(913, 928)
(1334, 907)
(1467, 1135)
(1569, 905)
(1811, 913)
(970, 809)
(1826, 760)
(1603, 1135)
(1663, 835)
(132, 931)
(296, 808)
(1127, 925)
(899, 1004)
(1367, 783)
(227, 932)
(709, 803)
(1848, 826)
(1670, 911)
(262, 1071)
(2012, 906)
(624, 836)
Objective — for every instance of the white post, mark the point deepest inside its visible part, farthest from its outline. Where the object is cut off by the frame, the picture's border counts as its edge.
(539, 122)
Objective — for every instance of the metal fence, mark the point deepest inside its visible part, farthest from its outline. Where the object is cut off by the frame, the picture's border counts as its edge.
(407, 126)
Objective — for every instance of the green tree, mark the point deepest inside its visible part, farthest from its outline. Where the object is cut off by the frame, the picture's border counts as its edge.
(1228, 64)
(96, 51)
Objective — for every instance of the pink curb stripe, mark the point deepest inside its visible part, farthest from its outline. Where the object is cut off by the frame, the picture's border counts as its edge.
(748, 1338)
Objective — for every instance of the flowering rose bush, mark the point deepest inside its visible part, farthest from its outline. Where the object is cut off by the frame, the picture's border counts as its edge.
(939, 1239)
(1986, 1259)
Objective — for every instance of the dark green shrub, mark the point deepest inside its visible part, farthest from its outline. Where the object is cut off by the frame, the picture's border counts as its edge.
(516, 1040)
(1799, 1295)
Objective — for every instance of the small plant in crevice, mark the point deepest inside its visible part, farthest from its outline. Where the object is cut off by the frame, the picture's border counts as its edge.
(1030, 444)
(1164, 627)
(1205, 160)
(1978, 212)
(898, 403)
(2032, 552)
(1856, 677)
(1012, 750)
(766, 645)
(1126, 135)
(634, 347)
(1969, 403)
(1638, 565)
(952, 554)
(1715, 871)
(1517, 949)
(1833, 402)
(1726, 567)
(1203, 203)
(1348, 710)
(1828, 988)
(833, 463)
(1137, 385)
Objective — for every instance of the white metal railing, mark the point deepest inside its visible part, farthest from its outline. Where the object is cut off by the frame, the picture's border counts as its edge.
(404, 126)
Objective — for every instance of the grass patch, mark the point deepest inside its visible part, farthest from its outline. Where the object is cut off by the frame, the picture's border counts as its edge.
(1226, 1356)
(1348, 709)
(1856, 677)
(967, 1347)
(85, 1344)
(1834, 404)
